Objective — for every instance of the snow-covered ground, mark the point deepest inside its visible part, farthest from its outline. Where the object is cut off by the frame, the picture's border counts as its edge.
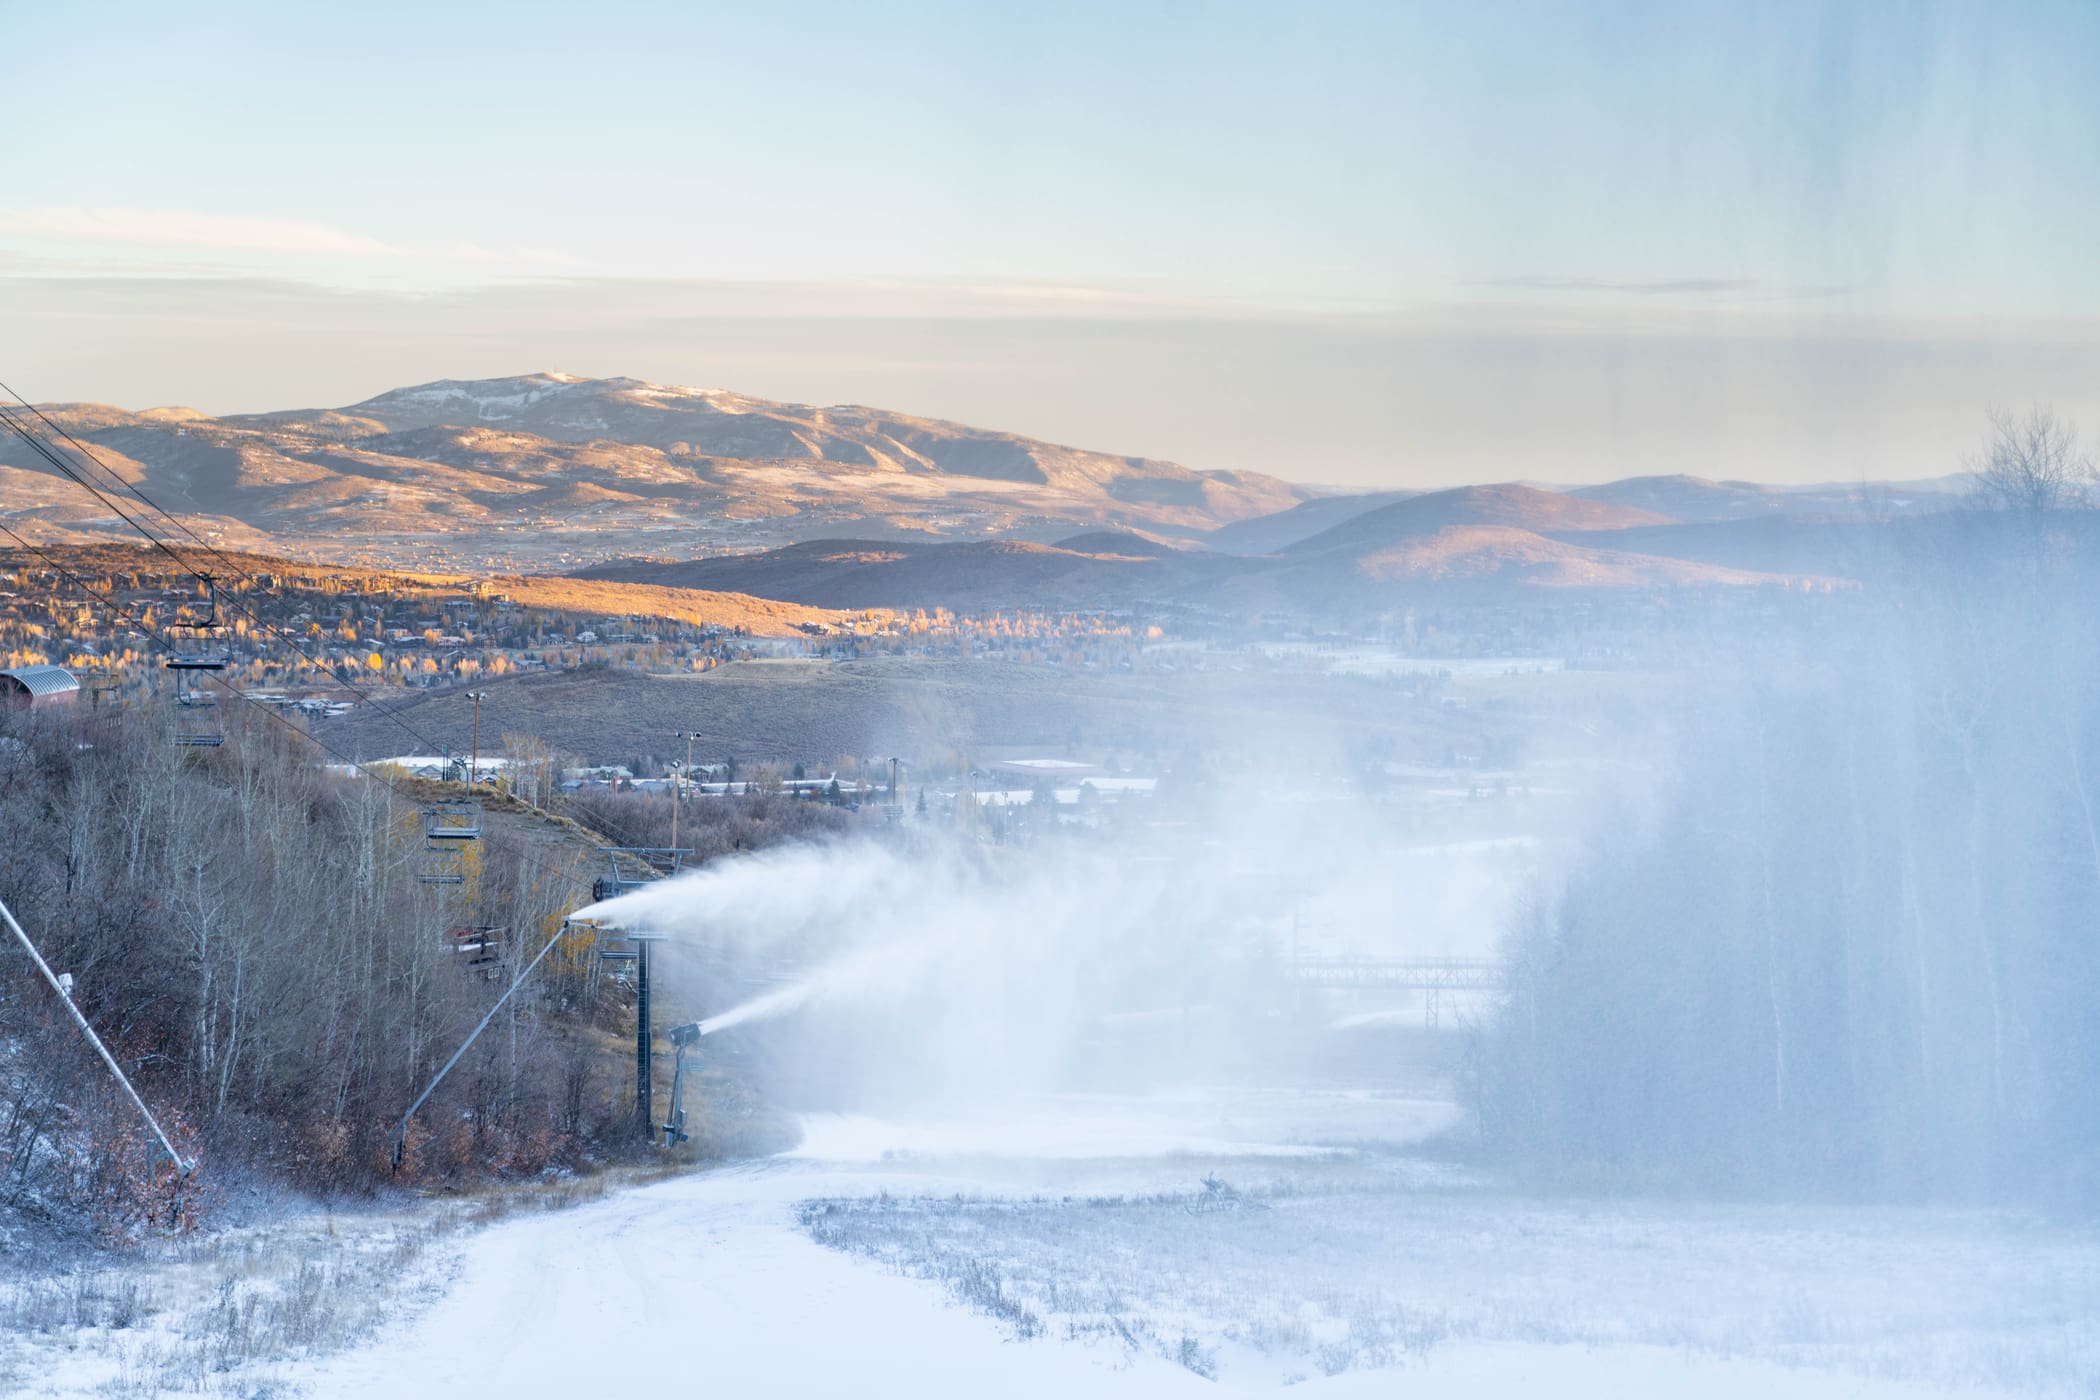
(1069, 1246)
(1360, 660)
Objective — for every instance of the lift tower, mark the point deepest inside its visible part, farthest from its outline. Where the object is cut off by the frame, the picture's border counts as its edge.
(630, 868)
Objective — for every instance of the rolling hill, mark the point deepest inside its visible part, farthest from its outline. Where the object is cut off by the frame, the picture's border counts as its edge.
(1506, 506)
(518, 473)
(850, 507)
(1268, 534)
(1474, 545)
(1696, 501)
(980, 575)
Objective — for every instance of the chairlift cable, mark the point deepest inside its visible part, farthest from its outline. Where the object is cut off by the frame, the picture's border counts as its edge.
(44, 450)
(401, 1133)
(182, 1167)
(56, 459)
(363, 769)
(325, 747)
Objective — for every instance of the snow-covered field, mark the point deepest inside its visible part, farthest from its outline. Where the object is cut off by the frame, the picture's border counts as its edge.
(1070, 1246)
(1385, 661)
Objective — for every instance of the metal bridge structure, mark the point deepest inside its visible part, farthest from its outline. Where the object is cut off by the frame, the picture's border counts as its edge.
(1433, 978)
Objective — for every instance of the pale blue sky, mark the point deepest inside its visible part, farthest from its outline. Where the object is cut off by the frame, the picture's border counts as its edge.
(1570, 216)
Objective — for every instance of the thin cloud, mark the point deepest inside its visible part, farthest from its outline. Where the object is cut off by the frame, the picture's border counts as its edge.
(1657, 287)
(189, 230)
(177, 228)
(1746, 289)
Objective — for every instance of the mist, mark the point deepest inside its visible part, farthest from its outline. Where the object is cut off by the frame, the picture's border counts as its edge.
(933, 976)
(1847, 948)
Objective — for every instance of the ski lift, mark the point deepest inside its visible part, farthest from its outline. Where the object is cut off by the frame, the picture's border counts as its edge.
(203, 656)
(478, 946)
(619, 964)
(196, 722)
(452, 821)
(631, 867)
(448, 829)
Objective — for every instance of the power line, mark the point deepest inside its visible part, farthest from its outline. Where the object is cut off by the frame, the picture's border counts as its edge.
(48, 453)
(84, 450)
(183, 1167)
(58, 461)
(148, 631)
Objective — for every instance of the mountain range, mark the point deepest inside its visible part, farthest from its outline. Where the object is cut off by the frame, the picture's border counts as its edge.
(523, 471)
(851, 506)
(1469, 545)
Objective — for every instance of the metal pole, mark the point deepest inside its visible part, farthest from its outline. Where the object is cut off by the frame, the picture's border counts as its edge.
(474, 744)
(674, 1121)
(643, 1090)
(677, 786)
(182, 1168)
(401, 1133)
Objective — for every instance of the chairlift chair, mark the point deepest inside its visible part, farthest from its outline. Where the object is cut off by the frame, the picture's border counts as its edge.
(631, 867)
(478, 946)
(448, 829)
(197, 723)
(203, 657)
(451, 821)
(619, 964)
(196, 715)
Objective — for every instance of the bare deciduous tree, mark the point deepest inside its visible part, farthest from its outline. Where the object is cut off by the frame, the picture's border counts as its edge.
(2033, 464)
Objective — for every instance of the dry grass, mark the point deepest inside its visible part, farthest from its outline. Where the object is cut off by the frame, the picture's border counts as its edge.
(1321, 1275)
(815, 710)
(699, 607)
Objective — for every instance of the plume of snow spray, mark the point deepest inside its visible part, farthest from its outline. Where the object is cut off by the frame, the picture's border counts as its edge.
(962, 971)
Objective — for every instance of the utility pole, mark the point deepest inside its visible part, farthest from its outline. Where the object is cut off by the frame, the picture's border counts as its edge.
(677, 786)
(474, 750)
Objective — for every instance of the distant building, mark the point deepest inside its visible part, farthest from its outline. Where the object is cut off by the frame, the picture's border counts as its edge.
(33, 687)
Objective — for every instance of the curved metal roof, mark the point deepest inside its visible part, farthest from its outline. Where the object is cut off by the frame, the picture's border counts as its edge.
(40, 681)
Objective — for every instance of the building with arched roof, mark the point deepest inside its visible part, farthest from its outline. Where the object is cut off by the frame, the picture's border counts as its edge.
(33, 687)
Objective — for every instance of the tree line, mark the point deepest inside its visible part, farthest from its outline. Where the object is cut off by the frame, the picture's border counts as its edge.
(256, 940)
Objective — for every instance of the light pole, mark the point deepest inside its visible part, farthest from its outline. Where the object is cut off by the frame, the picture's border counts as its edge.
(677, 787)
(474, 746)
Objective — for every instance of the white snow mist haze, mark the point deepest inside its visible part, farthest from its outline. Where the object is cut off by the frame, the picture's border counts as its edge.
(916, 972)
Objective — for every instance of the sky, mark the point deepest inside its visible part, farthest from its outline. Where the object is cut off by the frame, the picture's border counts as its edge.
(1391, 244)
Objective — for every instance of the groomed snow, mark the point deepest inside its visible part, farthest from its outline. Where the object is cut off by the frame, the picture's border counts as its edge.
(708, 1285)
(712, 1282)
